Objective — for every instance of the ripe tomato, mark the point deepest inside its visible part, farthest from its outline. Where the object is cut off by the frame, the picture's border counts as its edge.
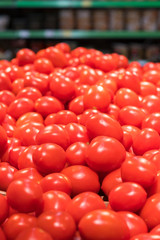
(6, 97)
(34, 233)
(60, 225)
(61, 117)
(105, 62)
(17, 85)
(127, 196)
(152, 76)
(6, 176)
(29, 92)
(56, 56)
(16, 223)
(64, 47)
(88, 76)
(82, 179)
(147, 88)
(49, 158)
(4, 209)
(3, 111)
(5, 82)
(84, 203)
(14, 72)
(105, 222)
(29, 117)
(28, 195)
(43, 65)
(76, 153)
(152, 121)
(2, 235)
(26, 157)
(126, 97)
(25, 56)
(56, 181)
(77, 133)
(14, 155)
(145, 236)
(3, 140)
(28, 173)
(77, 105)
(105, 154)
(156, 230)
(151, 103)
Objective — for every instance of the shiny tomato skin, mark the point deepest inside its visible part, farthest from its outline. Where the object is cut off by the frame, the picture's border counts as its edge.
(145, 236)
(3, 140)
(61, 117)
(25, 56)
(152, 121)
(152, 76)
(9, 144)
(64, 47)
(97, 97)
(60, 225)
(103, 224)
(17, 223)
(82, 179)
(105, 154)
(56, 181)
(126, 97)
(151, 103)
(111, 180)
(6, 97)
(56, 56)
(26, 157)
(77, 105)
(127, 196)
(53, 134)
(156, 230)
(105, 63)
(88, 76)
(150, 139)
(102, 124)
(14, 72)
(33, 233)
(139, 170)
(29, 117)
(113, 111)
(76, 153)
(4, 208)
(20, 106)
(43, 65)
(28, 173)
(147, 88)
(27, 133)
(29, 92)
(3, 111)
(2, 235)
(134, 222)
(127, 140)
(47, 105)
(49, 158)
(83, 203)
(6, 176)
(17, 85)
(14, 155)
(5, 82)
(150, 211)
(77, 133)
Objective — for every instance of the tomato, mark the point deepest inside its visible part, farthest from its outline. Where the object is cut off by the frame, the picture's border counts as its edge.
(26, 157)
(77, 105)
(127, 140)
(146, 140)
(103, 224)
(3, 111)
(111, 180)
(6, 176)
(61, 117)
(105, 154)
(33, 233)
(130, 80)
(28, 195)
(135, 223)
(84, 203)
(16, 223)
(20, 106)
(60, 225)
(82, 179)
(53, 134)
(49, 158)
(17, 85)
(126, 97)
(130, 115)
(28, 173)
(47, 105)
(2, 235)
(3, 140)
(64, 47)
(132, 130)
(6, 145)
(97, 97)
(108, 82)
(76, 153)
(4, 209)
(6, 97)
(79, 51)
(139, 170)
(102, 124)
(152, 121)
(105, 63)
(56, 181)
(29, 117)
(152, 76)
(25, 56)
(14, 72)
(127, 196)
(77, 133)
(43, 65)
(88, 76)
(156, 230)
(151, 103)
(145, 236)
(147, 88)
(150, 211)
(29, 92)
(56, 56)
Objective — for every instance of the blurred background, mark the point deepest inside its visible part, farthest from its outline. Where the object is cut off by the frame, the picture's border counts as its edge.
(128, 27)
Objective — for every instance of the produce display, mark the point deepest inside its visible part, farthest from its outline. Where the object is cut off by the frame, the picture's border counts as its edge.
(79, 146)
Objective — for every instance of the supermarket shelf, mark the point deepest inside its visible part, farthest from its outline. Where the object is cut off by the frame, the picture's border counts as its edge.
(76, 34)
(79, 4)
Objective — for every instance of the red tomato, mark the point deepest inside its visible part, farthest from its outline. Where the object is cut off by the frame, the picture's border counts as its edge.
(126, 97)
(108, 82)
(152, 121)
(56, 56)
(3, 111)
(155, 187)
(49, 158)
(17, 85)
(20, 106)
(139, 170)
(111, 180)
(4, 209)
(60, 225)
(84, 203)
(113, 111)
(43, 65)
(151, 211)
(56, 181)
(29, 92)
(2, 235)
(3, 140)
(102, 124)
(26, 158)
(79, 51)
(77, 133)
(28, 195)
(128, 196)
(82, 179)
(47, 105)
(54, 134)
(127, 140)
(134, 131)
(6, 145)
(6, 176)
(64, 47)
(97, 97)
(105, 154)
(29, 117)
(151, 103)
(61, 117)
(156, 230)
(17, 223)
(88, 76)
(152, 76)
(25, 56)
(28, 173)
(14, 72)
(146, 140)
(5, 82)
(14, 155)
(34, 233)
(76, 153)
(147, 88)
(6, 97)
(77, 105)
(145, 236)
(135, 223)
(106, 223)
(105, 63)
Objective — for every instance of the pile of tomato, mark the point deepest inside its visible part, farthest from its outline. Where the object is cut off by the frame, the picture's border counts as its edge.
(79, 146)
